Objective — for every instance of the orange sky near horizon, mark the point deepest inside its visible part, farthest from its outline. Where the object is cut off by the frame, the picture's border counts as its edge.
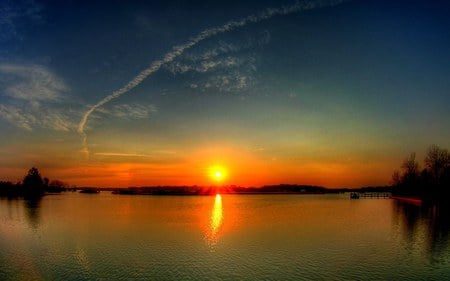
(241, 168)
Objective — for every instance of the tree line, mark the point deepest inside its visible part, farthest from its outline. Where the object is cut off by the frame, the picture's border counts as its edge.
(33, 185)
(430, 182)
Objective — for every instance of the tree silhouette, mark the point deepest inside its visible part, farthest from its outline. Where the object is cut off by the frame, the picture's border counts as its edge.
(56, 186)
(431, 183)
(33, 183)
(396, 179)
(410, 169)
(437, 163)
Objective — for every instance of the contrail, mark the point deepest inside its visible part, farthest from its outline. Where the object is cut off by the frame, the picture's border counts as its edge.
(178, 50)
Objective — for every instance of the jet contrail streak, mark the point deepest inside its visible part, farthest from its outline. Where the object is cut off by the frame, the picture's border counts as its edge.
(178, 50)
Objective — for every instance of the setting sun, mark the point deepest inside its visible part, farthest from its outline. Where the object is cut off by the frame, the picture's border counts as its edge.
(217, 173)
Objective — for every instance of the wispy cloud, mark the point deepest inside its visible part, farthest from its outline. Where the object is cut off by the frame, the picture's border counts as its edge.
(129, 111)
(204, 66)
(230, 82)
(221, 58)
(133, 111)
(115, 154)
(31, 82)
(155, 156)
(33, 97)
(227, 70)
(17, 116)
(180, 49)
(36, 117)
(221, 48)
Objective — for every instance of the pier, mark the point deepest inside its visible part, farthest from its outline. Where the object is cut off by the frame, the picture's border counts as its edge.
(377, 195)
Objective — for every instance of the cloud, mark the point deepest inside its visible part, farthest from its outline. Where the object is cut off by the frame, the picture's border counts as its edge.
(226, 71)
(115, 154)
(227, 75)
(129, 111)
(31, 83)
(33, 97)
(17, 116)
(230, 82)
(180, 49)
(156, 156)
(206, 65)
(134, 111)
(221, 49)
(221, 57)
(34, 117)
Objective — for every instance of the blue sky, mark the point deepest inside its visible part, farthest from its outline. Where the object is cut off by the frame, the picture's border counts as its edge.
(335, 95)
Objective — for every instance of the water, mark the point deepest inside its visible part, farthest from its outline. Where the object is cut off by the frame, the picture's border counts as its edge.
(253, 237)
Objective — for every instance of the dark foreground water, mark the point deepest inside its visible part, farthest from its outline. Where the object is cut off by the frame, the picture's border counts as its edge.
(253, 237)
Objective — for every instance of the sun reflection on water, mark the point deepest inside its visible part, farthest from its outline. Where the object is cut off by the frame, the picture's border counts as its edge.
(217, 215)
(216, 221)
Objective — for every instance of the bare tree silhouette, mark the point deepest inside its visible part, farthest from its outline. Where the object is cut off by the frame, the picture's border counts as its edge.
(432, 182)
(437, 162)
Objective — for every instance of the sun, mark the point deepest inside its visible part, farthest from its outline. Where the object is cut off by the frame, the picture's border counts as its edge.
(217, 173)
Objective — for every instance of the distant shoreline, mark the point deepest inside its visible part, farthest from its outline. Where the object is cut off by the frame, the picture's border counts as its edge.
(280, 189)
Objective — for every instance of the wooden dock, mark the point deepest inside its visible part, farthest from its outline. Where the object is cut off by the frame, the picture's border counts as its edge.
(375, 195)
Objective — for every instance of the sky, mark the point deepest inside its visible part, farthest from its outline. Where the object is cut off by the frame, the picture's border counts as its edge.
(139, 93)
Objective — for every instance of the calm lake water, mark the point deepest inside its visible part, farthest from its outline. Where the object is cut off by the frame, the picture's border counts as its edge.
(230, 237)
